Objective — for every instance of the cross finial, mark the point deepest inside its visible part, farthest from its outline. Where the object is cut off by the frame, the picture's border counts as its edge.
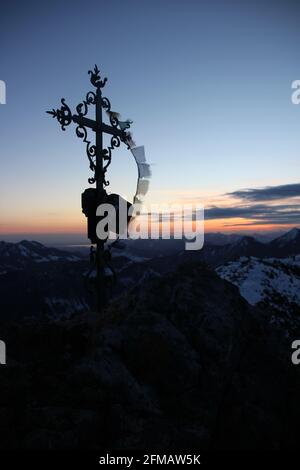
(96, 78)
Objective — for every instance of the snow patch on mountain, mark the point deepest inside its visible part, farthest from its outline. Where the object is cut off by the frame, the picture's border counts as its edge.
(16, 255)
(271, 280)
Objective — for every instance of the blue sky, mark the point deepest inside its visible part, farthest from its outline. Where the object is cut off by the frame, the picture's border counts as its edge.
(207, 84)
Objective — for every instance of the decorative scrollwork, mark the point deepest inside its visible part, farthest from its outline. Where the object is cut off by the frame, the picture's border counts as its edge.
(81, 132)
(96, 79)
(63, 115)
(106, 104)
(113, 117)
(82, 108)
(117, 129)
(114, 143)
(90, 98)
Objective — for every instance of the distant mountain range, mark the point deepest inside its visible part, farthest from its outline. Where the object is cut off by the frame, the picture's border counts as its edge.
(18, 255)
(39, 280)
(265, 273)
(179, 361)
(285, 245)
(180, 358)
(219, 247)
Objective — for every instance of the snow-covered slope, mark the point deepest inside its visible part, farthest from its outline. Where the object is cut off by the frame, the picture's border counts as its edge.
(273, 281)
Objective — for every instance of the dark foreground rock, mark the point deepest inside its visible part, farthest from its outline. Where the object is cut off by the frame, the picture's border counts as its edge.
(181, 362)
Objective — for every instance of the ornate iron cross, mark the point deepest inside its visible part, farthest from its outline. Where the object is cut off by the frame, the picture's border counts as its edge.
(99, 157)
(96, 154)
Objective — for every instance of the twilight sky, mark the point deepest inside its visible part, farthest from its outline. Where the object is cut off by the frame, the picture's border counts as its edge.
(207, 84)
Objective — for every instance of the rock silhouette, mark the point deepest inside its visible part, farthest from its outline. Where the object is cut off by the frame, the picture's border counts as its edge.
(182, 361)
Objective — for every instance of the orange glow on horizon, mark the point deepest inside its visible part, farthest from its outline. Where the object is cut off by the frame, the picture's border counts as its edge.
(72, 221)
(79, 227)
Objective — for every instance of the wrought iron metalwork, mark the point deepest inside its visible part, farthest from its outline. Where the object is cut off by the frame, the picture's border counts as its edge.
(63, 115)
(65, 118)
(99, 157)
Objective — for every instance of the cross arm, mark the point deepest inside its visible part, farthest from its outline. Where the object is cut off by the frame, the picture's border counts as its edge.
(86, 122)
(113, 131)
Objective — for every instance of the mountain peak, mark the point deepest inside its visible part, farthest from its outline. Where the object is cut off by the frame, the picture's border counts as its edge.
(245, 240)
(30, 244)
(15, 255)
(290, 237)
(292, 234)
